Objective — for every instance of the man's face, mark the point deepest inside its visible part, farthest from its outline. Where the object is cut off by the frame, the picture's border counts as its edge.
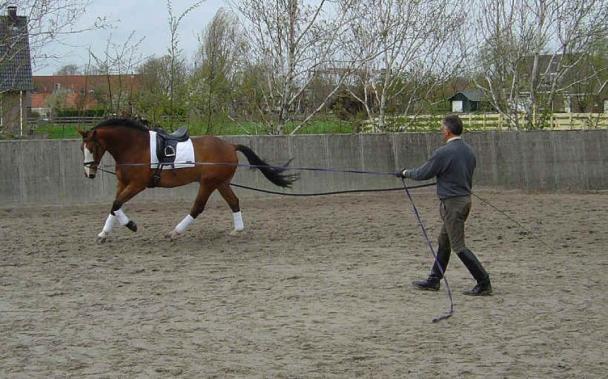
(445, 132)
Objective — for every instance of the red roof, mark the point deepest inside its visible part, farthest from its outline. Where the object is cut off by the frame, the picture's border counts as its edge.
(79, 88)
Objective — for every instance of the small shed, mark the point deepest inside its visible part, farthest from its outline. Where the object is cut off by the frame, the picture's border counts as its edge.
(15, 72)
(466, 101)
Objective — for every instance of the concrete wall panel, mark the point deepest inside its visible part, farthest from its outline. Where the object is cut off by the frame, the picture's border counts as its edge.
(45, 172)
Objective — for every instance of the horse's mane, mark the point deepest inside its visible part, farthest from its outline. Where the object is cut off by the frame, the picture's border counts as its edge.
(131, 123)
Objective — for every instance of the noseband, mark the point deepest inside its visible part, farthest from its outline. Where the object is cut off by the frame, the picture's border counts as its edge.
(91, 164)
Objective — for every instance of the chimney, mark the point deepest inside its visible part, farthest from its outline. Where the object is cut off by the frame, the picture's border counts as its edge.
(11, 11)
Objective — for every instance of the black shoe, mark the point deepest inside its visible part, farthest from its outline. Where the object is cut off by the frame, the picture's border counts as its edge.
(481, 289)
(430, 284)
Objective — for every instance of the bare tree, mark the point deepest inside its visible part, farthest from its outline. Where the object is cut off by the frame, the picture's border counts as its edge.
(531, 52)
(588, 95)
(291, 40)
(153, 100)
(174, 50)
(117, 63)
(418, 46)
(219, 61)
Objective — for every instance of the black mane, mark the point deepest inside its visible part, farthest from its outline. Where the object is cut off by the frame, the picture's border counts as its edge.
(123, 122)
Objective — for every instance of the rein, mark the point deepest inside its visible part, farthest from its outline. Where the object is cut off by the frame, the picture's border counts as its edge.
(328, 193)
(310, 194)
(428, 241)
(282, 168)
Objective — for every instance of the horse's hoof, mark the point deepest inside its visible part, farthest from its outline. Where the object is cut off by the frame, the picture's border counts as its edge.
(132, 226)
(101, 237)
(236, 232)
(173, 235)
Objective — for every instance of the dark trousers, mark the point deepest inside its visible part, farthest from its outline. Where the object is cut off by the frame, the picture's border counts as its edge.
(454, 213)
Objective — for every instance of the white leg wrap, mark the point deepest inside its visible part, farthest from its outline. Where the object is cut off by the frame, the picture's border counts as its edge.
(184, 224)
(121, 217)
(107, 227)
(238, 221)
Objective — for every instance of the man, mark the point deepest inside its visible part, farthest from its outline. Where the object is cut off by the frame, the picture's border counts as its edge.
(453, 165)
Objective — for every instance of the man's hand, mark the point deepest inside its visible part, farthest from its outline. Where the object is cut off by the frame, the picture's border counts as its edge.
(402, 174)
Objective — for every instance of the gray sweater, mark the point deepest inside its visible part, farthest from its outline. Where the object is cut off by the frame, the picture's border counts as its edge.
(453, 165)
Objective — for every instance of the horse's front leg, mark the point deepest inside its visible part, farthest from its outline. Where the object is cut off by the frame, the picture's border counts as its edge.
(123, 194)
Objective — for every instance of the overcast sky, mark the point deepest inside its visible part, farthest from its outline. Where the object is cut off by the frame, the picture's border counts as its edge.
(148, 18)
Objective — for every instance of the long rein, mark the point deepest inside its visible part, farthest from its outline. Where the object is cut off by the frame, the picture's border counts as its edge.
(282, 168)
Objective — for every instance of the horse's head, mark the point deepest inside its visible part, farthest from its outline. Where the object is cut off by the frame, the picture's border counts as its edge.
(93, 151)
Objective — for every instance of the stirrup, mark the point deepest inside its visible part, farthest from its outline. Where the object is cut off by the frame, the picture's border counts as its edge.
(169, 151)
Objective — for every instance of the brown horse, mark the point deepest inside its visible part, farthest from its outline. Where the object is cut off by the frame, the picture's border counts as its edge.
(128, 142)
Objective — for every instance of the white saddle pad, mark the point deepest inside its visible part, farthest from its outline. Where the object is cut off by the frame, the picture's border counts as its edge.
(184, 153)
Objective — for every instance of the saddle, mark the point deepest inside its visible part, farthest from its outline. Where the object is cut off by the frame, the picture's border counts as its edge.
(166, 149)
(166, 144)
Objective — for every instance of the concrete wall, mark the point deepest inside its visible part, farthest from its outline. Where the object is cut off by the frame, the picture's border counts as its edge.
(49, 172)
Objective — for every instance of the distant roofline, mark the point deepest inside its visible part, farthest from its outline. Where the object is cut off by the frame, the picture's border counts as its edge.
(473, 94)
(76, 75)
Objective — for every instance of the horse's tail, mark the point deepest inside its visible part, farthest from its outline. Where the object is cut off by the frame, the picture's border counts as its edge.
(274, 174)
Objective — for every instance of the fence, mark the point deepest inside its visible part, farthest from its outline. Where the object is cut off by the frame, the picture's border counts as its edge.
(495, 121)
(556, 121)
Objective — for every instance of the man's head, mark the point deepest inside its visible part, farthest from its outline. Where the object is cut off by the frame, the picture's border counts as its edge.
(451, 126)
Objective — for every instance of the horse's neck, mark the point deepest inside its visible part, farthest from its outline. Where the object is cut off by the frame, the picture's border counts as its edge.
(124, 144)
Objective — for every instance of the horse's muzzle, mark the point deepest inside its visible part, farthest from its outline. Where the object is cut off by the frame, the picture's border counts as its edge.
(90, 176)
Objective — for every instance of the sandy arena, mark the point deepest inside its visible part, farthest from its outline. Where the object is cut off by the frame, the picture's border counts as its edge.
(313, 288)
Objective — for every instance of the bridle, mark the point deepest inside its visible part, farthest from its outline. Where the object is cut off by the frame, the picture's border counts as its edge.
(94, 164)
(91, 164)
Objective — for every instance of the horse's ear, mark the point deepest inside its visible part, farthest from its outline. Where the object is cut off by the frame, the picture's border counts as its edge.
(81, 132)
(94, 135)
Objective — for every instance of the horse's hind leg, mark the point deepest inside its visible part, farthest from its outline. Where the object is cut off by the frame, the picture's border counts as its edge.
(233, 202)
(204, 192)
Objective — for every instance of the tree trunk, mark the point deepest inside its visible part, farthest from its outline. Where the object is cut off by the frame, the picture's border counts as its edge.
(532, 109)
